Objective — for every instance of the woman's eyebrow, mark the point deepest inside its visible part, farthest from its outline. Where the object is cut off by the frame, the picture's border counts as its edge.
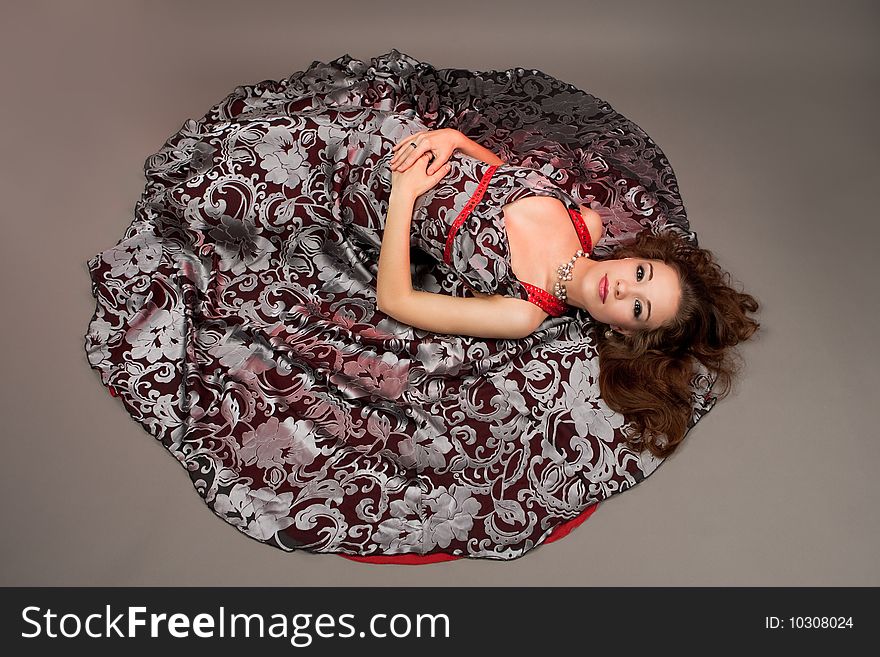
(648, 301)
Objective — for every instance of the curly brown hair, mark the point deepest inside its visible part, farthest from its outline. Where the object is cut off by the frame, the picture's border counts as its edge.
(647, 375)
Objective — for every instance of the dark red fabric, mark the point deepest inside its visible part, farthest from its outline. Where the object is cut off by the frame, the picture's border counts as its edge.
(561, 531)
(236, 319)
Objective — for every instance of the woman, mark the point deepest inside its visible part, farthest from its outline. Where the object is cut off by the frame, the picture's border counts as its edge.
(265, 319)
(666, 301)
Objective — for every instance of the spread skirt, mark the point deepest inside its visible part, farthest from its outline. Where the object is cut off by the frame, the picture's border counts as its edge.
(236, 319)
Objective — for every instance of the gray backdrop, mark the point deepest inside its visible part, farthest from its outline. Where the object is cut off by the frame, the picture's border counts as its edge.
(767, 112)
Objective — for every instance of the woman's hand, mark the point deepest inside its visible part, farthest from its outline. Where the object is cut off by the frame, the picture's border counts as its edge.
(441, 143)
(415, 181)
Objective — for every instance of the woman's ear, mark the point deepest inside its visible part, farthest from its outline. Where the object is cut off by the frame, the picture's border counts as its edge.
(625, 332)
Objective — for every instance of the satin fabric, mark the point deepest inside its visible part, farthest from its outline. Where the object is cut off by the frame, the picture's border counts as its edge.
(236, 318)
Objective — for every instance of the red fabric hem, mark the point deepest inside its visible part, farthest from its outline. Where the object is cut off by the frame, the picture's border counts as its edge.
(561, 531)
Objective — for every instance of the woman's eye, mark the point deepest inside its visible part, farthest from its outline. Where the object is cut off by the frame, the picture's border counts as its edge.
(640, 273)
(638, 308)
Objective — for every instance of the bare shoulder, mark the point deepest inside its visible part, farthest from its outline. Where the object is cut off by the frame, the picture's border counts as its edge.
(527, 315)
(532, 314)
(593, 220)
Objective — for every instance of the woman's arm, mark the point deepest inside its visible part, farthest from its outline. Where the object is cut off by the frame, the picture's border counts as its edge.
(441, 144)
(469, 147)
(394, 278)
(492, 316)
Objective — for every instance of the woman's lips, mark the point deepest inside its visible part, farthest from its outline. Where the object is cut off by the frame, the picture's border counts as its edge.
(603, 287)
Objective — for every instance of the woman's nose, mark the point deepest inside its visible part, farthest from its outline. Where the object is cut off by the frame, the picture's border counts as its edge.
(620, 289)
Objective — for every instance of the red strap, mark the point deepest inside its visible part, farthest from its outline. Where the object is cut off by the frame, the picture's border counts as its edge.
(466, 211)
(580, 227)
(545, 301)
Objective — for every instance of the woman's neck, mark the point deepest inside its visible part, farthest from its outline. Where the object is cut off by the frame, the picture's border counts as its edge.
(575, 289)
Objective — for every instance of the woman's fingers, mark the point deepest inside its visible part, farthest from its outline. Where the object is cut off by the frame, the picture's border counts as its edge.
(408, 150)
(402, 142)
(441, 159)
(440, 172)
(397, 158)
(406, 140)
(406, 157)
(401, 157)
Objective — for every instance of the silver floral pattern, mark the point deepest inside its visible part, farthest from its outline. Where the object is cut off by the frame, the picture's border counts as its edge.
(236, 318)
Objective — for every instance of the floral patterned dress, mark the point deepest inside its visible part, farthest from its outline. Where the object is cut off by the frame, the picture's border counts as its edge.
(236, 321)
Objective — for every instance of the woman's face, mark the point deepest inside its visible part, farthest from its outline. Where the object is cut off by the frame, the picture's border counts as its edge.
(631, 294)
